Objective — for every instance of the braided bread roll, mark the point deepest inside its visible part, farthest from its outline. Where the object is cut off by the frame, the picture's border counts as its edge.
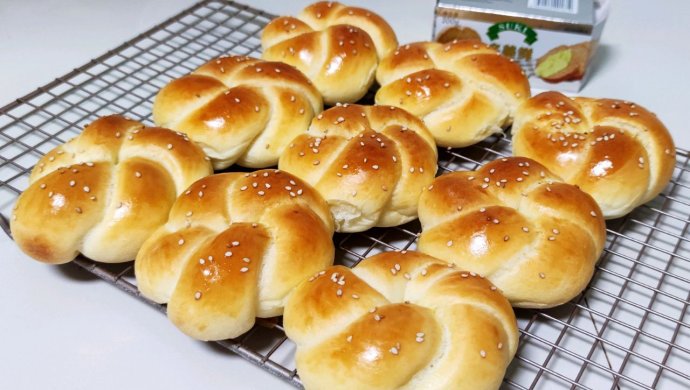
(464, 91)
(234, 246)
(533, 236)
(239, 109)
(616, 151)
(369, 162)
(336, 46)
(103, 192)
(400, 320)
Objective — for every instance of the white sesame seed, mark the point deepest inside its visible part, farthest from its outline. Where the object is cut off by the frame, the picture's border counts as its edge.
(355, 296)
(339, 292)
(377, 317)
(592, 213)
(244, 269)
(235, 243)
(424, 272)
(137, 174)
(246, 260)
(482, 353)
(349, 339)
(449, 243)
(394, 351)
(72, 183)
(197, 295)
(180, 241)
(541, 275)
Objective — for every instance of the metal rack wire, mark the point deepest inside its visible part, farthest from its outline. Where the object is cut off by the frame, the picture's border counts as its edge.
(629, 329)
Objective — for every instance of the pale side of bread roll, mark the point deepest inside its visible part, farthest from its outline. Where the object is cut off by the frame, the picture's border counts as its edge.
(234, 246)
(616, 151)
(369, 162)
(336, 46)
(464, 91)
(239, 109)
(400, 320)
(513, 221)
(104, 192)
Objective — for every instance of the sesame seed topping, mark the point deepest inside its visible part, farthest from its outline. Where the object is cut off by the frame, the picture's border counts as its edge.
(541, 275)
(482, 353)
(180, 241)
(593, 213)
(197, 295)
(246, 260)
(355, 296)
(78, 210)
(555, 231)
(72, 183)
(43, 186)
(506, 238)
(235, 243)
(424, 272)
(244, 269)
(87, 189)
(376, 167)
(377, 317)
(349, 339)
(525, 229)
(500, 345)
(137, 174)
(394, 351)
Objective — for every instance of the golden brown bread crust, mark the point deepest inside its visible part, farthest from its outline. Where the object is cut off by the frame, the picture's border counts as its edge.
(336, 46)
(94, 193)
(464, 90)
(400, 320)
(239, 109)
(369, 162)
(617, 151)
(533, 236)
(234, 246)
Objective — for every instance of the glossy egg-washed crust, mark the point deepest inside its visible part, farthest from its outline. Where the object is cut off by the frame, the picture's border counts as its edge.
(400, 320)
(463, 90)
(239, 109)
(513, 221)
(103, 192)
(616, 151)
(369, 162)
(336, 46)
(234, 246)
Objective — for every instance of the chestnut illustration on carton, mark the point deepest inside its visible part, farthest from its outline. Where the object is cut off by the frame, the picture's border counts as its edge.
(563, 63)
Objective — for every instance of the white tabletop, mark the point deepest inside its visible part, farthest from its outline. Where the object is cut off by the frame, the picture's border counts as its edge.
(62, 329)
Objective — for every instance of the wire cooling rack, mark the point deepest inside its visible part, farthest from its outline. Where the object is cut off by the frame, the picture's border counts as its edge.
(629, 329)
